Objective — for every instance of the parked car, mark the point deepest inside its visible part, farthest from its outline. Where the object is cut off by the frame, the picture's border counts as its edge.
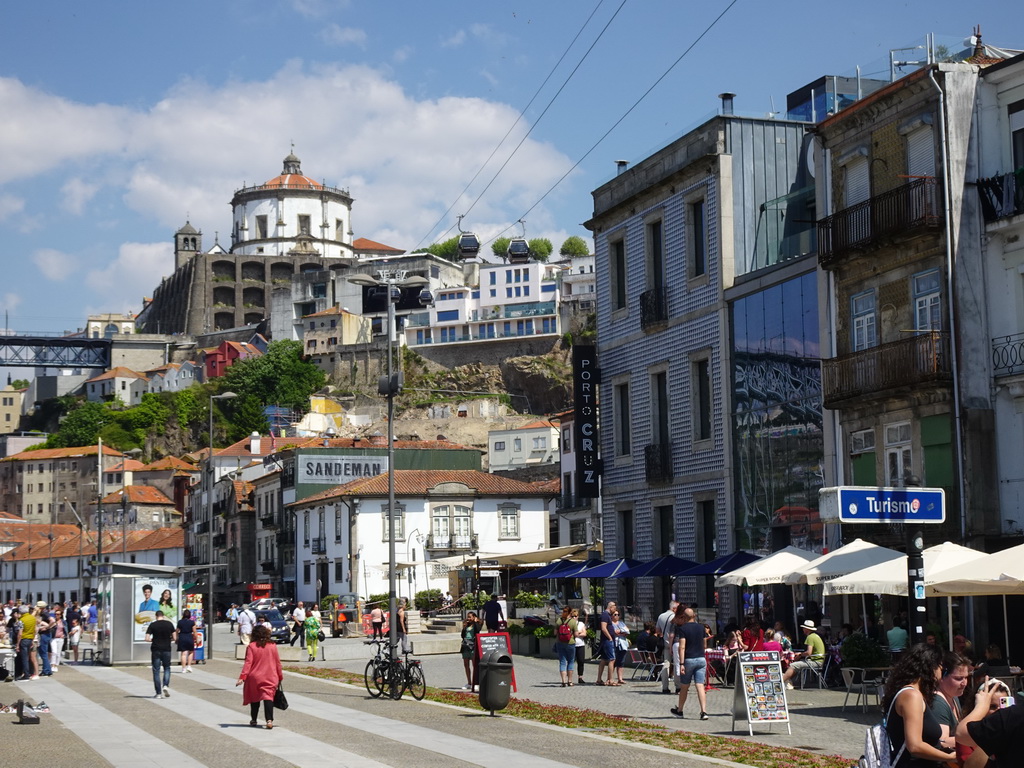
(268, 602)
(280, 629)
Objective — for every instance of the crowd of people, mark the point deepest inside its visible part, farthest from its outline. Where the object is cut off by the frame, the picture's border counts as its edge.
(38, 635)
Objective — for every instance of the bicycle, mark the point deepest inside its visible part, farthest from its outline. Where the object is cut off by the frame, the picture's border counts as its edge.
(375, 673)
(400, 675)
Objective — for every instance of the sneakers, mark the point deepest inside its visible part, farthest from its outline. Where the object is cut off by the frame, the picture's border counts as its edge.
(466, 687)
(703, 715)
(42, 707)
(789, 687)
(34, 677)
(676, 711)
(158, 696)
(167, 693)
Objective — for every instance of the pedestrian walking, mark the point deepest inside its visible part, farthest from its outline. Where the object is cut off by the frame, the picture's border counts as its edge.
(580, 645)
(186, 641)
(246, 621)
(160, 634)
(298, 621)
(60, 632)
(607, 639)
(261, 675)
(232, 616)
(565, 644)
(377, 622)
(493, 614)
(312, 627)
(470, 659)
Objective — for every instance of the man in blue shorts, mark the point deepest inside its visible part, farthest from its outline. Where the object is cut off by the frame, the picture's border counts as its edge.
(606, 635)
(692, 666)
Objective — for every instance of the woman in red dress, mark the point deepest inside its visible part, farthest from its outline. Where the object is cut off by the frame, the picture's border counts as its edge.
(753, 635)
(261, 675)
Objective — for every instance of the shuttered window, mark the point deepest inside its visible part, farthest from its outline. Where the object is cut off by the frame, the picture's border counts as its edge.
(921, 152)
(858, 188)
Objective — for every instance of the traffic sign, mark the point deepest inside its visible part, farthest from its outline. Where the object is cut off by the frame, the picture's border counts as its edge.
(856, 504)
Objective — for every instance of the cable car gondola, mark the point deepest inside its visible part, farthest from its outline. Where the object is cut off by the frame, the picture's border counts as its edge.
(469, 245)
(518, 250)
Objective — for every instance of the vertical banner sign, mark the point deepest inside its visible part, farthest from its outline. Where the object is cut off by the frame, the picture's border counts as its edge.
(760, 695)
(585, 376)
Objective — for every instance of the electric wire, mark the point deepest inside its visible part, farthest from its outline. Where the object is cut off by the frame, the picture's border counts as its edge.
(615, 125)
(519, 119)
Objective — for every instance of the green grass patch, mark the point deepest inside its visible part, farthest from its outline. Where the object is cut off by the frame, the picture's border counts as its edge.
(626, 728)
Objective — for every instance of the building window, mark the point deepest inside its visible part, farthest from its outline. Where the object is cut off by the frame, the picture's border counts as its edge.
(898, 456)
(303, 224)
(261, 227)
(920, 152)
(499, 445)
(540, 443)
(567, 439)
(927, 301)
(306, 569)
(653, 241)
(517, 445)
(857, 186)
(578, 532)
(865, 333)
(622, 420)
(618, 274)
(339, 571)
(701, 387)
(509, 519)
(399, 522)
(305, 529)
(697, 227)
(338, 518)
(862, 441)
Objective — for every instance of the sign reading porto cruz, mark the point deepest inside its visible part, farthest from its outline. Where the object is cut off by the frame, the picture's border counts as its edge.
(852, 504)
(335, 470)
(585, 376)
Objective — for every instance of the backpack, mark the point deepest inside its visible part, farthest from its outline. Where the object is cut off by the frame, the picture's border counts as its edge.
(564, 633)
(878, 746)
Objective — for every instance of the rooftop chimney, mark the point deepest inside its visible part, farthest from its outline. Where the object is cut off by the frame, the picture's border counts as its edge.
(254, 444)
(621, 166)
(727, 102)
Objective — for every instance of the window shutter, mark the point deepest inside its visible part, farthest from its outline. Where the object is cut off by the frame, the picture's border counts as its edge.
(858, 188)
(921, 152)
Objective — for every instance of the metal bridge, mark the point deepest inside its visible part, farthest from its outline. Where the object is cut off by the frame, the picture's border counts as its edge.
(35, 350)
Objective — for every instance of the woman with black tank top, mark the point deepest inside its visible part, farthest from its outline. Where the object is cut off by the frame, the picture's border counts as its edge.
(914, 732)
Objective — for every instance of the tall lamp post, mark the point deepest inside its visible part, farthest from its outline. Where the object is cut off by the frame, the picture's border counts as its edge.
(211, 613)
(389, 386)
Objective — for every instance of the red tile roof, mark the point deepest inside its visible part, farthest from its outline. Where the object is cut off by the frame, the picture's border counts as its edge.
(128, 465)
(170, 462)
(293, 180)
(539, 425)
(47, 454)
(34, 543)
(363, 244)
(138, 494)
(120, 372)
(419, 482)
(335, 310)
(243, 490)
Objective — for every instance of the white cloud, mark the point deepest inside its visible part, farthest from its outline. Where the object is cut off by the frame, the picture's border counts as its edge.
(313, 9)
(335, 34)
(10, 302)
(401, 55)
(455, 40)
(10, 206)
(120, 285)
(75, 194)
(55, 265)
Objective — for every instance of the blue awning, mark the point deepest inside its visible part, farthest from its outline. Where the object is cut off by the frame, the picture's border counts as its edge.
(721, 565)
(612, 570)
(550, 571)
(668, 565)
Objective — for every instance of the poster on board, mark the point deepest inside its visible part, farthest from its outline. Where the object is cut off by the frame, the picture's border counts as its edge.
(495, 641)
(149, 595)
(760, 695)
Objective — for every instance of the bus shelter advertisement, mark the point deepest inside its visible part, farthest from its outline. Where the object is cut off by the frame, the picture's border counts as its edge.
(152, 594)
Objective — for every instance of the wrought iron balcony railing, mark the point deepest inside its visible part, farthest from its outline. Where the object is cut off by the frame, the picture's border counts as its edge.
(653, 307)
(318, 546)
(571, 501)
(434, 541)
(911, 207)
(219, 539)
(912, 361)
(1008, 354)
(658, 462)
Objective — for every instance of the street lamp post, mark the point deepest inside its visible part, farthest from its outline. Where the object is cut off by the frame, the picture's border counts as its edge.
(389, 386)
(210, 611)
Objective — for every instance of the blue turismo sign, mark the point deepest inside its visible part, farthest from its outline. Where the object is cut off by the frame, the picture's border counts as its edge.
(855, 504)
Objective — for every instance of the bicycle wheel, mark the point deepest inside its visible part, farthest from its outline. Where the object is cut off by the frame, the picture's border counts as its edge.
(371, 676)
(417, 683)
(394, 679)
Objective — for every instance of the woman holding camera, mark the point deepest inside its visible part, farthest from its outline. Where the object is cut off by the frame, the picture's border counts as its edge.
(470, 629)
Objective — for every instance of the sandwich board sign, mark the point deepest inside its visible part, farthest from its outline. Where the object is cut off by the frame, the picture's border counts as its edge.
(760, 693)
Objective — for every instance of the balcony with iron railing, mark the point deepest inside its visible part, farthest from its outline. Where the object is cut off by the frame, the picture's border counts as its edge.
(658, 462)
(569, 501)
(653, 308)
(269, 566)
(1002, 196)
(907, 363)
(905, 211)
(219, 540)
(318, 546)
(1008, 355)
(461, 543)
(268, 520)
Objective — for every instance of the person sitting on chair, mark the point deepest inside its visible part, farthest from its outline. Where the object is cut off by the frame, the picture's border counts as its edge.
(811, 658)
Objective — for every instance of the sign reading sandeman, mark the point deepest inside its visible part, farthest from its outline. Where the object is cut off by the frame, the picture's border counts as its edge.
(335, 470)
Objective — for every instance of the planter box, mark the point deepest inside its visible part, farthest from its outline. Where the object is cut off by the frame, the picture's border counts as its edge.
(524, 645)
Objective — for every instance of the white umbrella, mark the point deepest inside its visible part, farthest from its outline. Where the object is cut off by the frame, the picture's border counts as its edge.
(1000, 573)
(856, 555)
(772, 569)
(890, 577)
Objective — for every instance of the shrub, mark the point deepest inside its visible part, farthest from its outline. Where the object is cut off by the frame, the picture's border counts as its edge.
(530, 600)
(429, 599)
(859, 650)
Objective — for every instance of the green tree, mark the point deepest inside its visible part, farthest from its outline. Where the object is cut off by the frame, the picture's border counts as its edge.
(20, 383)
(81, 426)
(279, 377)
(246, 417)
(574, 246)
(449, 249)
(541, 248)
(500, 247)
(189, 407)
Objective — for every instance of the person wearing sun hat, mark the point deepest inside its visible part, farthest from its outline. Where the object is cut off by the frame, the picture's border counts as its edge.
(810, 658)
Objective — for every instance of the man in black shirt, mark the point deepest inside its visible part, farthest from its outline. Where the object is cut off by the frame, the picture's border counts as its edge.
(692, 666)
(161, 633)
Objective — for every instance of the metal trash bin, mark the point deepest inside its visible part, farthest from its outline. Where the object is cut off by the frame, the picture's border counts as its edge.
(495, 680)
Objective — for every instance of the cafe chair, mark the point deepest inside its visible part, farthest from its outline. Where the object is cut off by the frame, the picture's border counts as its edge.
(642, 661)
(858, 682)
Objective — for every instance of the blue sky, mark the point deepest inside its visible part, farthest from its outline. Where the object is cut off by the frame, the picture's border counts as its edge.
(122, 119)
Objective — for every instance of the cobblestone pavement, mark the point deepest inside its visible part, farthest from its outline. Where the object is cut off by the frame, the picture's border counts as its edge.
(819, 723)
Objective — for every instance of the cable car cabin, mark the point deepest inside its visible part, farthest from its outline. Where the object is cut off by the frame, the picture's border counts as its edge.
(469, 245)
(518, 250)
(426, 297)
